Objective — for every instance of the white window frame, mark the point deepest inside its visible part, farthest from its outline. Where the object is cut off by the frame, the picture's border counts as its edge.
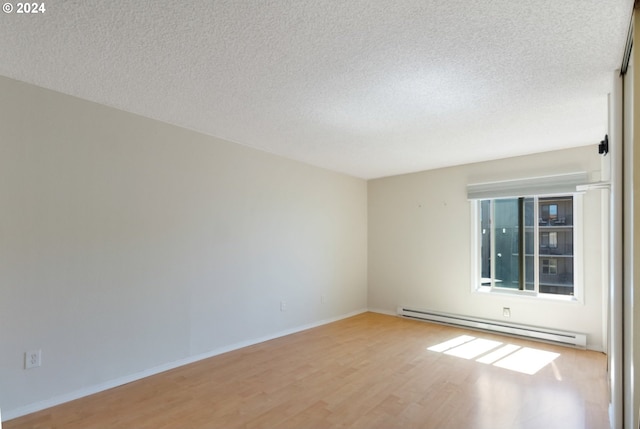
(578, 256)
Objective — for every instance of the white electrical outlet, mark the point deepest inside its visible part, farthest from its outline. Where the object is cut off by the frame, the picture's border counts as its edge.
(283, 305)
(506, 312)
(323, 299)
(32, 359)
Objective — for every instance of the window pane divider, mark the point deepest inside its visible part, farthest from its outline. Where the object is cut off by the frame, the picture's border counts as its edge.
(521, 249)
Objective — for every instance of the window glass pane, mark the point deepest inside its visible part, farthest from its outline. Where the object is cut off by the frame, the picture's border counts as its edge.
(527, 244)
(506, 244)
(485, 242)
(556, 245)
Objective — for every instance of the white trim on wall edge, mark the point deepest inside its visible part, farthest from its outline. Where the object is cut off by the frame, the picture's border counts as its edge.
(81, 393)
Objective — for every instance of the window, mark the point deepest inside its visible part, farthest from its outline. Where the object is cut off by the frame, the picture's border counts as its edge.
(526, 244)
(548, 240)
(550, 266)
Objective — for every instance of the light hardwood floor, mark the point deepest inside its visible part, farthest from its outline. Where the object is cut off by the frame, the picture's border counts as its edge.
(368, 371)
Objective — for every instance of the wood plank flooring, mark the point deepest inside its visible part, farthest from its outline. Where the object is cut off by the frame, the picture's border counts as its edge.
(368, 371)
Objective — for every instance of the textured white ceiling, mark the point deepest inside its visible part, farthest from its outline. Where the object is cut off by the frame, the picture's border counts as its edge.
(366, 87)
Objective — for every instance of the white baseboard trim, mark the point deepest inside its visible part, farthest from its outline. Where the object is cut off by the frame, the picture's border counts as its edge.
(591, 347)
(90, 390)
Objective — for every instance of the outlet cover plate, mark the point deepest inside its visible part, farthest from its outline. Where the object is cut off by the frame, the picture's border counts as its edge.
(32, 359)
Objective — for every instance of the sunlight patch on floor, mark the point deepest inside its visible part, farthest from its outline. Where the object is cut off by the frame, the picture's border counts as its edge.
(498, 354)
(454, 342)
(525, 360)
(473, 348)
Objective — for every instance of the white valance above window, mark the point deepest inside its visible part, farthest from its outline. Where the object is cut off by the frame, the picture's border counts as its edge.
(545, 185)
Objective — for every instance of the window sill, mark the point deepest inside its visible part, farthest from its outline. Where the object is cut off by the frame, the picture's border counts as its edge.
(487, 290)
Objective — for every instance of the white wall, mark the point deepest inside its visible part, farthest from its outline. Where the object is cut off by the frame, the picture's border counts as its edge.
(128, 244)
(419, 244)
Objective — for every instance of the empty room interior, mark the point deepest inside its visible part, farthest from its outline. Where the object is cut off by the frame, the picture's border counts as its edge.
(295, 214)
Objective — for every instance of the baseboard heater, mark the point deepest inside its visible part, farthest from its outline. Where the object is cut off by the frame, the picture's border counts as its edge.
(541, 334)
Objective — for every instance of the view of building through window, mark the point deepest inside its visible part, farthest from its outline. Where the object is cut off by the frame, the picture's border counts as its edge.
(527, 244)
